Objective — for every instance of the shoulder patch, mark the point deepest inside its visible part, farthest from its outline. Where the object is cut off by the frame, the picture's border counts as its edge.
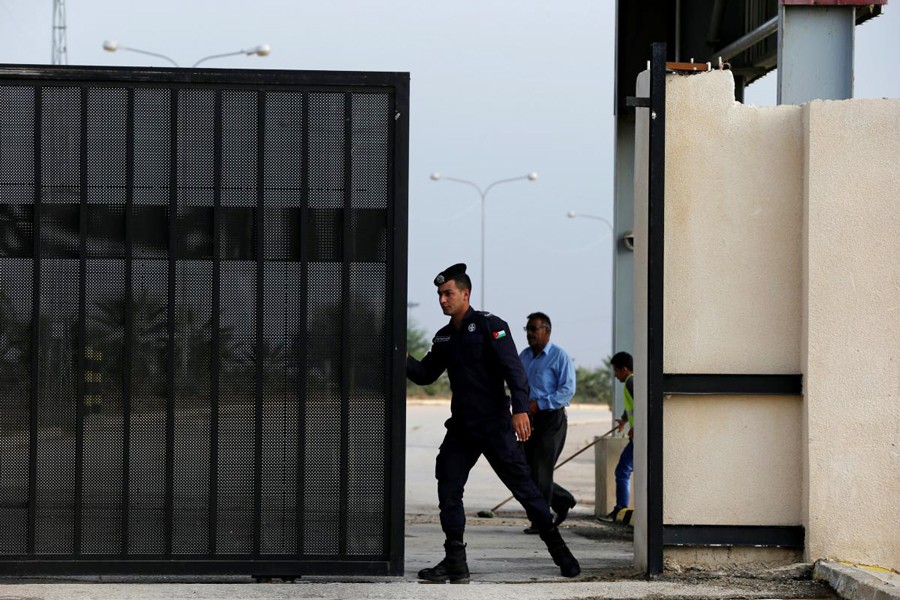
(498, 334)
(440, 338)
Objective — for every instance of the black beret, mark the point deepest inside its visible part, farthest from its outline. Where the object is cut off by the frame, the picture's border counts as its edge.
(449, 273)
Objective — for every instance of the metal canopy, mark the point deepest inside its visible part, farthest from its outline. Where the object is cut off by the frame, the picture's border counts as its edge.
(701, 30)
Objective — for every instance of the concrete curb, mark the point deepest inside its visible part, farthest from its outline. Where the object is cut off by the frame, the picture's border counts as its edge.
(854, 583)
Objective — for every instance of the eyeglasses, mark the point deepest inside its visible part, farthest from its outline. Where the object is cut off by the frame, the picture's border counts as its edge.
(533, 328)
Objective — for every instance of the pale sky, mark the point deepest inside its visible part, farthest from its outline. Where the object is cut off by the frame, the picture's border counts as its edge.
(499, 88)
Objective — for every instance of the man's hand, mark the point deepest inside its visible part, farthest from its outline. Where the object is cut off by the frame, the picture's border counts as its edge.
(533, 407)
(522, 426)
(621, 426)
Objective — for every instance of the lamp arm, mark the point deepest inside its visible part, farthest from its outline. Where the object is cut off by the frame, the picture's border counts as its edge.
(607, 223)
(157, 55)
(206, 58)
(465, 181)
(574, 214)
(499, 181)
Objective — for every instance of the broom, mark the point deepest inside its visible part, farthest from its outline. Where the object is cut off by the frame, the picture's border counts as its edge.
(489, 514)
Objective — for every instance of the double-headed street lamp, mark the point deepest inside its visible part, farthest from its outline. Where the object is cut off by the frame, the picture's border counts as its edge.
(617, 407)
(627, 237)
(261, 50)
(483, 193)
(612, 234)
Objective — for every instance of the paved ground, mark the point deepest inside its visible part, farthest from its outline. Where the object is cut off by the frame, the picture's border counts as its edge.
(505, 563)
(425, 430)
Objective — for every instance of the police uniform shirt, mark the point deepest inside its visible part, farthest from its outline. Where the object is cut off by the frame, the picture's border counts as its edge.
(478, 357)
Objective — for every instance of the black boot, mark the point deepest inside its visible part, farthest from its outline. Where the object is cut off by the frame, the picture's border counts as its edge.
(561, 554)
(452, 568)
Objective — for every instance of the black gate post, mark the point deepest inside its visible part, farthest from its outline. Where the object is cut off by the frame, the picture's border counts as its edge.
(170, 322)
(655, 320)
(397, 249)
(128, 339)
(35, 345)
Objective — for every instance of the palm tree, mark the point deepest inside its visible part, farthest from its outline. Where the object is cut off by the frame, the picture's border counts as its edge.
(15, 230)
(15, 362)
(148, 344)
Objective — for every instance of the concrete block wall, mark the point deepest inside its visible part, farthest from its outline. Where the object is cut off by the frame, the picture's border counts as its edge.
(782, 256)
(606, 457)
(732, 303)
(732, 460)
(851, 331)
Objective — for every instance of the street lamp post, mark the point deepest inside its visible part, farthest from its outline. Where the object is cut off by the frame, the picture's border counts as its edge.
(114, 46)
(483, 193)
(612, 234)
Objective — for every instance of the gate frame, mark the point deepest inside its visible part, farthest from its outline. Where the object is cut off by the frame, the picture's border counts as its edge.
(661, 384)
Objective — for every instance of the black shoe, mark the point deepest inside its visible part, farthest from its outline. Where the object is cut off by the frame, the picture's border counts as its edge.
(562, 556)
(531, 530)
(612, 515)
(562, 514)
(453, 568)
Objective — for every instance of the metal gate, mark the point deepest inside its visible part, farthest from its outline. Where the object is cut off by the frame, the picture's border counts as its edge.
(202, 321)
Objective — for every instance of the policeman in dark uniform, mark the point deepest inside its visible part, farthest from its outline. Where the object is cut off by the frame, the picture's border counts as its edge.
(478, 352)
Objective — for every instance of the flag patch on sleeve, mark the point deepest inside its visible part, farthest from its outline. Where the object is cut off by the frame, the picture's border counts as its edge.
(499, 334)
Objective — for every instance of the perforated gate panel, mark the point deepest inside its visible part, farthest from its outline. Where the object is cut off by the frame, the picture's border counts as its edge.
(202, 321)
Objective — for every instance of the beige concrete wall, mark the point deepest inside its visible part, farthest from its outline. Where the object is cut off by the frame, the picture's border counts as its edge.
(715, 558)
(732, 460)
(782, 256)
(734, 178)
(606, 457)
(851, 347)
(732, 304)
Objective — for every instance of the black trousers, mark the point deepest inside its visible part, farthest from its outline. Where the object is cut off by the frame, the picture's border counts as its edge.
(460, 451)
(542, 450)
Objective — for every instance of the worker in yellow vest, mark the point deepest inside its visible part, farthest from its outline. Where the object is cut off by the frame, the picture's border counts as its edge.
(623, 366)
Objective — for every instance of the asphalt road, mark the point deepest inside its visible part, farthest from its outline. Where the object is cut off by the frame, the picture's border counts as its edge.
(425, 430)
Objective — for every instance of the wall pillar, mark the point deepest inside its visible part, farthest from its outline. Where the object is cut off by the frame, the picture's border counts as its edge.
(851, 327)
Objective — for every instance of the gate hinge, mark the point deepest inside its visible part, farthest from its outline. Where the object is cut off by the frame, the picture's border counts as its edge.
(637, 101)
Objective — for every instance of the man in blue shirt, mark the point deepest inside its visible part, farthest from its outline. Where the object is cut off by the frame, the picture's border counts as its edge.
(551, 376)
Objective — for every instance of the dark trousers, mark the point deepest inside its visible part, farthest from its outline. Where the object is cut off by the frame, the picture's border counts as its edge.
(459, 453)
(542, 450)
(623, 476)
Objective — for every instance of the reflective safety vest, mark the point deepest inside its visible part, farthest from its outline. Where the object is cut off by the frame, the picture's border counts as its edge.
(629, 402)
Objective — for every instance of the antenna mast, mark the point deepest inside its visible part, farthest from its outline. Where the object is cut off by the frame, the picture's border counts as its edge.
(60, 48)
